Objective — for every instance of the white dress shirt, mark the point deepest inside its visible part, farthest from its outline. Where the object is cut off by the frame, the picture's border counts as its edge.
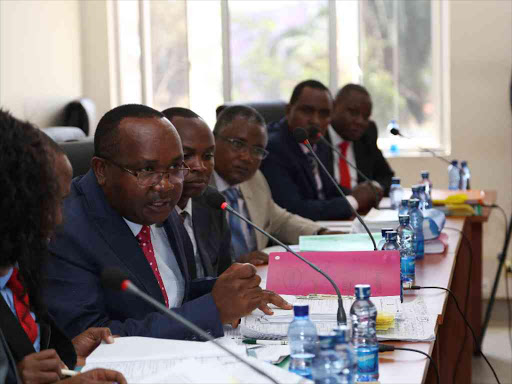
(168, 267)
(222, 185)
(189, 226)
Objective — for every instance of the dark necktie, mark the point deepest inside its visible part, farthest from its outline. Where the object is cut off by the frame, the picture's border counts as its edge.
(21, 305)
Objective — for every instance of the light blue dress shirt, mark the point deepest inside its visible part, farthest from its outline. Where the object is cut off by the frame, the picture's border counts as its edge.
(9, 299)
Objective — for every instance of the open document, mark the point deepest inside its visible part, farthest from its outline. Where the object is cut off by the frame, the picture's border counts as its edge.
(412, 322)
(150, 360)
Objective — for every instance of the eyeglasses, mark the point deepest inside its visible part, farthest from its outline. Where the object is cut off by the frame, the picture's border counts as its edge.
(239, 146)
(147, 179)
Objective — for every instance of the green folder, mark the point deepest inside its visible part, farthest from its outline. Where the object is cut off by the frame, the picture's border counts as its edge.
(338, 243)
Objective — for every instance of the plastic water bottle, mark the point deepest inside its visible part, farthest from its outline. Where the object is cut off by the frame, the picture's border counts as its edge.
(453, 175)
(465, 176)
(393, 149)
(423, 197)
(364, 334)
(327, 364)
(383, 240)
(416, 221)
(416, 194)
(396, 192)
(404, 207)
(345, 350)
(391, 241)
(428, 187)
(302, 340)
(406, 245)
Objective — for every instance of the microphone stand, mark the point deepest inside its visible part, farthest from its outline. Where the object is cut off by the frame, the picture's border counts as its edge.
(396, 132)
(366, 178)
(128, 286)
(341, 315)
(307, 144)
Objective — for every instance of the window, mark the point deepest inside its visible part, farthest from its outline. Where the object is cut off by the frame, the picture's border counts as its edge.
(206, 52)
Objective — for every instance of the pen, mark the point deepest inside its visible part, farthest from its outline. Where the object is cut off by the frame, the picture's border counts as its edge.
(265, 342)
(69, 372)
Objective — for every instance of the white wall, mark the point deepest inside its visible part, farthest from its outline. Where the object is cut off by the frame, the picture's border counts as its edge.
(40, 58)
(480, 38)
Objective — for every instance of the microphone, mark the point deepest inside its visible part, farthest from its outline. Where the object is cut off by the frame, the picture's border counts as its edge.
(315, 133)
(396, 132)
(301, 136)
(216, 200)
(117, 280)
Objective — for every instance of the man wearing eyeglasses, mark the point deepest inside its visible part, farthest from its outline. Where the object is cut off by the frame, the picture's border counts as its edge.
(121, 214)
(240, 139)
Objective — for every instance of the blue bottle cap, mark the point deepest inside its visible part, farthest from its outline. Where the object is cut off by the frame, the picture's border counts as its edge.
(463, 163)
(423, 188)
(342, 334)
(405, 202)
(326, 342)
(301, 310)
(425, 174)
(395, 180)
(384, 230)
(455, 163)
(416, 188)
(414, 203)
(404, 219)
(391, 235)
(362, 291)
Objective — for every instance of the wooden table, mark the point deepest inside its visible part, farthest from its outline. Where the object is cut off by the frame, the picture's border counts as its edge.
(448, 270)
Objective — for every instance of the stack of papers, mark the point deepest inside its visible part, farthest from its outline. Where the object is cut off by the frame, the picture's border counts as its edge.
(339, 243)
(405, 322)
(150, 360)
(377, 219)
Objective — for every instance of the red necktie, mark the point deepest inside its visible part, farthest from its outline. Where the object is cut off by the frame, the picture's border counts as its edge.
(144, 238)
(343, 166)
(22, 307)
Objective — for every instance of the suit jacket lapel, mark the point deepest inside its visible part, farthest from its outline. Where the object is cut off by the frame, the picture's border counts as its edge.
(118, 235)
(300, 157)
(200, 220)
(15, 336)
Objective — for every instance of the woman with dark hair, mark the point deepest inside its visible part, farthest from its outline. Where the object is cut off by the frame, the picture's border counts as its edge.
(35, 176)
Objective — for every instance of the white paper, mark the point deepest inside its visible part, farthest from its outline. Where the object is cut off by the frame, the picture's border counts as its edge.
(412, 320)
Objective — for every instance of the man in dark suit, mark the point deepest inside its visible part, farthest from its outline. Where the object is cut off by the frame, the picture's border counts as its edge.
(36, 176)
(296, 181)
(355, 135)
(121, 214)
(206, 227)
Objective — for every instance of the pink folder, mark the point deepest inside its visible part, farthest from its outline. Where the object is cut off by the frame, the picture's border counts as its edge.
(289, 275)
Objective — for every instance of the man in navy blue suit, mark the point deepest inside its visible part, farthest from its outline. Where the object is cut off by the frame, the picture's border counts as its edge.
(296, 181)
(121, 214)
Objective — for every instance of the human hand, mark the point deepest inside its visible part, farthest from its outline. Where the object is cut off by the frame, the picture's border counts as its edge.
(366, 196)
(270, 297)
(254, 258)
(41, 367)
(236, 292)
(87, 341)
(96, 376)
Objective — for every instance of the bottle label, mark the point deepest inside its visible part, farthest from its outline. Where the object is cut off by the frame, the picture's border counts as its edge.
(367, 360)
(408, 265)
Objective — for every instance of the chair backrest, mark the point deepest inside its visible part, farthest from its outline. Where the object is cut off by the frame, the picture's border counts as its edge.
(270, 110)
(60, 134)
(80, 113)
(80, 154)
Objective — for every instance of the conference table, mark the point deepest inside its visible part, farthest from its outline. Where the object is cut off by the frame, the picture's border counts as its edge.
(451, 270)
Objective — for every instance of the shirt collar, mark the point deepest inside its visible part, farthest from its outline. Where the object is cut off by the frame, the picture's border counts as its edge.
(134, 227)
(188, 208)
(5, 279)
(222, 184)
(335, 138)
